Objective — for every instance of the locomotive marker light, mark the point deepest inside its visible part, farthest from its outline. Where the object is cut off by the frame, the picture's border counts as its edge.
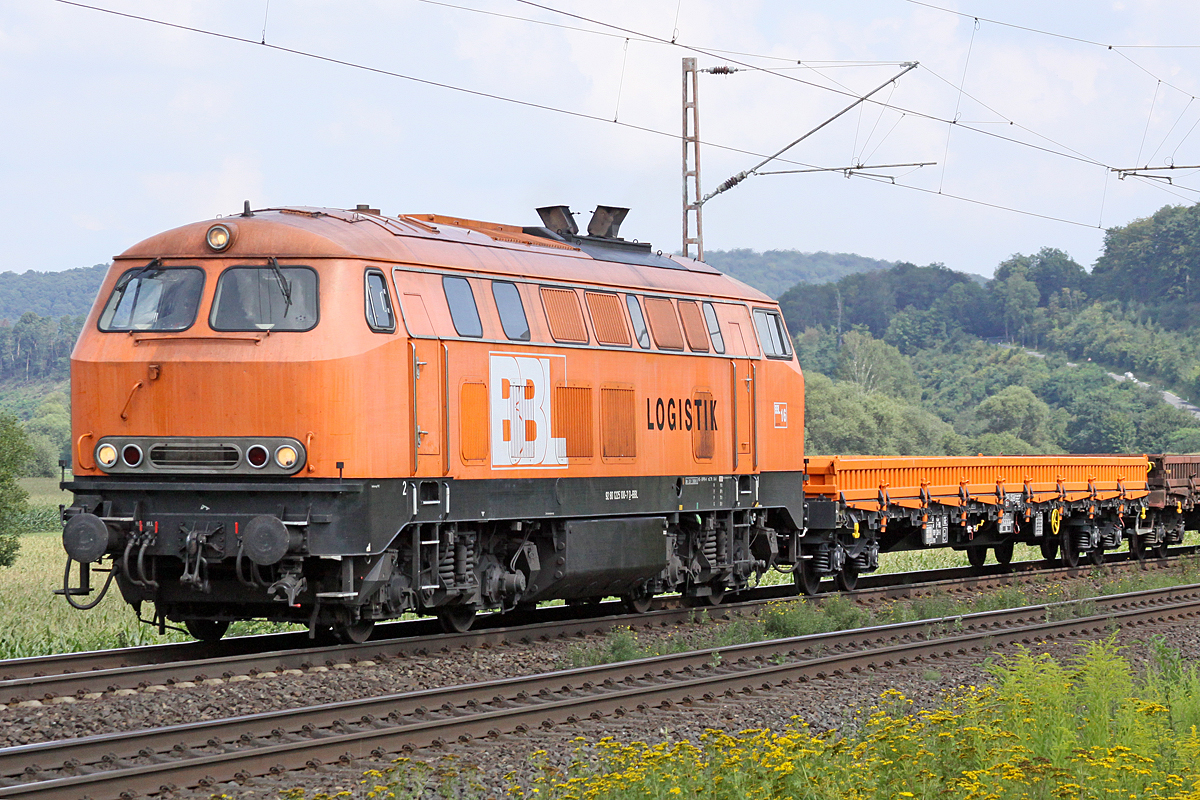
(219, 237)
(257, 456)
(106, 454)
(286, 456)
(131, 455)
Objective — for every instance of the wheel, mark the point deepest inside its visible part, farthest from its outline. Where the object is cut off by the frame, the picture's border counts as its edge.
(1049, 548)
(847, 578)
(638, 603)
(976, 555)
(1096, 556)
(456, 619)
(808, 581)
(1160, 549)
(353, 632)
(207, 630)
(1137, 548)
(1004, 553)
(1070, 553)
(714, 598)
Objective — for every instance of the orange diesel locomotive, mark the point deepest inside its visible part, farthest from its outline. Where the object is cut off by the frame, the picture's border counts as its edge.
(336, 417)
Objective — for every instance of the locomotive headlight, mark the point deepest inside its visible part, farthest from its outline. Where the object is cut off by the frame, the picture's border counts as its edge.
(286, 456)
(219, 237)
(106, 454)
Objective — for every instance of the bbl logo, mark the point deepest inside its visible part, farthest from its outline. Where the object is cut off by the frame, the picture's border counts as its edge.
(519, 395)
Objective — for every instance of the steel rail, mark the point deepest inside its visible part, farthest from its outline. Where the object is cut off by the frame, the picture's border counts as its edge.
(299, 736)
(139, 667)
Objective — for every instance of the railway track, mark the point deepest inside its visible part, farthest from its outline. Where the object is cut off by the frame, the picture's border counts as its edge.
(205, 753)
(80, 675)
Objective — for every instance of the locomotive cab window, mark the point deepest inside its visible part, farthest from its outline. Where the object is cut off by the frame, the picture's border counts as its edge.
(153, 298)
(379, 303)
(512, 311)
(463, 311)
(270, 298)
(714, 328)
(694, 326)
(772, 334)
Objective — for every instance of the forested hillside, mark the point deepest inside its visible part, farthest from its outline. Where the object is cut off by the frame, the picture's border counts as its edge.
(775, 271)
(49, 294)
(904, 359)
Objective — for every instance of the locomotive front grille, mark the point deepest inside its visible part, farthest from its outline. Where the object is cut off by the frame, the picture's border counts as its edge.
(191, 456)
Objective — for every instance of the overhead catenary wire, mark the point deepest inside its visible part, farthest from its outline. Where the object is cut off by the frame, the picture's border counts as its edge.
(570, 112)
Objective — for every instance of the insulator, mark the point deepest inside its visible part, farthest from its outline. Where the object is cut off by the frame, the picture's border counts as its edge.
(723, 70)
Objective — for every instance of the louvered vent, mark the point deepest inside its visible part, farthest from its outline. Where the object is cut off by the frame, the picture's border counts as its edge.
(694, 325)
(564, 315)
(663, 323)
(573, 419)
(617, 422)
(608, 319)
(192, 456)
(473, 430)
(703, 440)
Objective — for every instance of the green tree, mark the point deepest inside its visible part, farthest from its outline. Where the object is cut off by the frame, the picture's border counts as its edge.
(876, 366)
(14, 455)
(1016, 411)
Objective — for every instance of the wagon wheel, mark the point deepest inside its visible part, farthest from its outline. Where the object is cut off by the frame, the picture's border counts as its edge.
(1049, 548)
(207, 630)
(355, 632)
(1096, 555)
(1070, 550)
(715, 597)
(807, 579)
(638, 601)
(1137, 547)
(976, 555)
(847, 577)
(456, 619)
(1160, 549)
(1004, 553)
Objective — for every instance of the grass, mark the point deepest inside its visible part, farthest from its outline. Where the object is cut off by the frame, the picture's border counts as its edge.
(1090, 727)
(787, 618)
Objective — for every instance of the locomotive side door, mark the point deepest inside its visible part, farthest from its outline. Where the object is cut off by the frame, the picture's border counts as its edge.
(741, 348)
(425, 371)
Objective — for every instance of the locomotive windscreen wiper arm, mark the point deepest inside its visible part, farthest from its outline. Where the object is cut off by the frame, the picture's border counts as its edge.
(284, 286)
(121, 284)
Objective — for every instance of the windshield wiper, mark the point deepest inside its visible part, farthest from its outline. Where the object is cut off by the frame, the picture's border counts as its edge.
(284, 286)
(121, 284)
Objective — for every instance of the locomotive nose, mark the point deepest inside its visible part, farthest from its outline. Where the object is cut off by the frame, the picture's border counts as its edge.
(86, 537)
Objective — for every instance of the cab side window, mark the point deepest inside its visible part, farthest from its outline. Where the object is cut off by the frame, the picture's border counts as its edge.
(380, 317)
(512, 311)
(714, 328)
(463, 311)
(772, 334)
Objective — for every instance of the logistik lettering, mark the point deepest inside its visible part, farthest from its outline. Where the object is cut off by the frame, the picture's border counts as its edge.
(681, 414)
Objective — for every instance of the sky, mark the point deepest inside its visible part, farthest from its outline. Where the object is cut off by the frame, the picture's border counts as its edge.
(116, 128)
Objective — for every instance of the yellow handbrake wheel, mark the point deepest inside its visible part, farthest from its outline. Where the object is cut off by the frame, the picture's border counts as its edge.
(1055, 521)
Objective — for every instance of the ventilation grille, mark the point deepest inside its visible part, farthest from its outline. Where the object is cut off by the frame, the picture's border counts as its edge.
(703, 440)
(617, 422)
(573, 419)
(694, 325)
(608, 319)
(472, 434)
(663, 323)
(564, 315)
(191, 456)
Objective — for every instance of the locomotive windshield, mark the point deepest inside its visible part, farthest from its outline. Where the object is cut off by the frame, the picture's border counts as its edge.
(265, 298)
(153, 298)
